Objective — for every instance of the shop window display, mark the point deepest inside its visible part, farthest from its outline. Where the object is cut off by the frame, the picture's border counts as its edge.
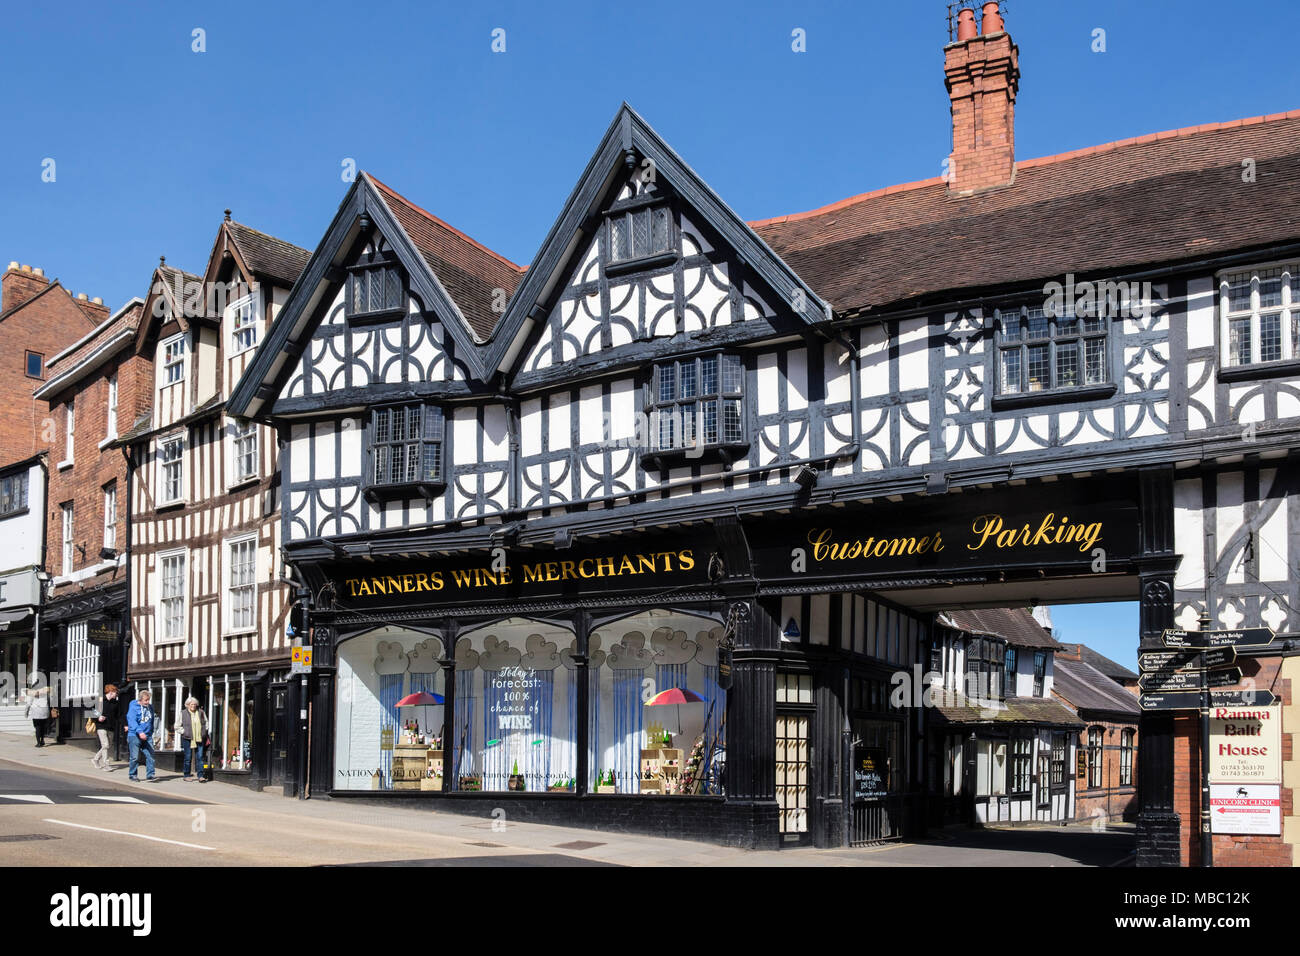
(381, 743)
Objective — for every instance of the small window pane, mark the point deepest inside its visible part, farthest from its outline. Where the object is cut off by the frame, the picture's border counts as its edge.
(381, 425)
(1067, 365)
(618, 237)
(381, 464)
(662, 230)
(432, 462)
(1011, 370)
(731, 430)
(1037, 324)
(667, 382)
(710, 423)
(392, 289)
(733, 374)
(1095, 352)
(1011, 327)
(1067, 325)
(689, 418)
(1037, 368)
(688, 380)
(641, 232)
(34, 364)
(1239, 341)
(1239, 294)
(1270, 289)
(666, 430)
(1270, 336)
(709, 375)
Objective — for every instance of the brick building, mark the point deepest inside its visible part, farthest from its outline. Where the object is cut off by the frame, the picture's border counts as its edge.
(95, 389)
(1106, 770)
(38, 319)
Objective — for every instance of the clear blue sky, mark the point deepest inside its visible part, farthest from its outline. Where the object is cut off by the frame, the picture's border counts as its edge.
(1110, 629)
(151, 140)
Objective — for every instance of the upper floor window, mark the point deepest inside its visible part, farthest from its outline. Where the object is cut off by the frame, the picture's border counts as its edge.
(110, 420)
(1010, 662)
(640, 232)
(171, 592)
(374, 289)
(406, 446)
(35, 363)
(110, 516)
(68, 530)
(1040, 672)
(171, 454)
(243, 324)
(1095, 752)
(1059, 756)
(1259, 314)
(243, 450)
(241, 584)
(1038, 352)
(13, 494)
(174, 353)
(70, 427)
(698, 403)
(1126, 757)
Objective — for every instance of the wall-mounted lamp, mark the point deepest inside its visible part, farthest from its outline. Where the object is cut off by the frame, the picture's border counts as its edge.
(564, 538)
(806, 477)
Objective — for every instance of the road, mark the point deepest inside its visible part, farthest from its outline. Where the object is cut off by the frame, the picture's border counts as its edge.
(55, 812)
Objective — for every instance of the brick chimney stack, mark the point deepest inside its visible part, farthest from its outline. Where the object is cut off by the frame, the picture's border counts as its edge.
(19, 284)
(982, 73)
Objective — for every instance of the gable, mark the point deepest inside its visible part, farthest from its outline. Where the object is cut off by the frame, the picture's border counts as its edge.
(630, 148)
(692, 282)
(379, 354)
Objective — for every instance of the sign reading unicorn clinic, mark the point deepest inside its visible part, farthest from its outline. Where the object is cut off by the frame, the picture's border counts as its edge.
(1246, 745)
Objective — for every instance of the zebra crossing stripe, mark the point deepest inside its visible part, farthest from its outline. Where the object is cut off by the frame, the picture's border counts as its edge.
(26, 797)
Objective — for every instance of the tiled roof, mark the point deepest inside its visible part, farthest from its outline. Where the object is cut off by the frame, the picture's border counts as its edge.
(269, 256)
(469, 271)
(1015, 710)
(1177, 195)
(1116, 672)
(176, 279)
(1015, 624)
(1084, 687)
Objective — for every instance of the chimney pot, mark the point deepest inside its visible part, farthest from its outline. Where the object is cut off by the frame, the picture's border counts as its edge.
(13, 266)
(27, 268)
(82, 296)
(966, 29)
(37, 271)
(992, 19)
(98, 300)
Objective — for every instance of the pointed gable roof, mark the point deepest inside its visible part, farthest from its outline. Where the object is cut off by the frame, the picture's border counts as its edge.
(172, 286)
(264, 255)
(470, 271)
(452, 274)
(629, 136)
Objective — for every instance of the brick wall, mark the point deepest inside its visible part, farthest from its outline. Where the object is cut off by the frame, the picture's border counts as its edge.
(47, 324)
(1110, 800)
(1232, 850)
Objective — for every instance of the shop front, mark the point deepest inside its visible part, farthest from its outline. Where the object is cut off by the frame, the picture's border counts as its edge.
(89, 652)
(759, 683)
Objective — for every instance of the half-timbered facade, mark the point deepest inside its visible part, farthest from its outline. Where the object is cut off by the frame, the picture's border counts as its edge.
(208, 602)
(752, 460)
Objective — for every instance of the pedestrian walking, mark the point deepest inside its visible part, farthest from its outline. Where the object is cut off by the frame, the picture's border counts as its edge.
(139, 723)
(104, 720)
(193, 730)
(38, 711)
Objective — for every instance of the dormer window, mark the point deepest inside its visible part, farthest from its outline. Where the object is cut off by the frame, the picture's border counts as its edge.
(243, 324)
(374, 290)
(640, 233)
(405, 450)
(173, 360)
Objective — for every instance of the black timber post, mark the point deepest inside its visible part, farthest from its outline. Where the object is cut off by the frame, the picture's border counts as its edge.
(582, 676)
(751, 724)
(450, 721)
(829, 683)
(1158, 825)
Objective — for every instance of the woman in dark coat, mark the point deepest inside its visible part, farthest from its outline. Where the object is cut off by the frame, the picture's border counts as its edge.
(193, 728)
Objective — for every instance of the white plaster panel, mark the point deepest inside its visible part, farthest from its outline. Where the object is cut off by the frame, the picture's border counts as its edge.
(299, 455)
(796, 371)
(591, 424)
(914, 356)
(559, 422)
(1201, 312)
(1273, 550)
(530, 427)
(1229, 515)
(768, 384)
(352, 455)
(496, 443)
(1189, 540)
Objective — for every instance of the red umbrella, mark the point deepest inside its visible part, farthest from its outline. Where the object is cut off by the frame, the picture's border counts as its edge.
(422, 699)
(675, 695)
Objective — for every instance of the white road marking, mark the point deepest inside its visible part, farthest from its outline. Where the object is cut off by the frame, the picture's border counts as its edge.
(26, 797)
(91, 796)
(142, 836)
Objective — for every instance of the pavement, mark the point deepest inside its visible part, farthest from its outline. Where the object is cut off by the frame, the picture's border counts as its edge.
(56, 810)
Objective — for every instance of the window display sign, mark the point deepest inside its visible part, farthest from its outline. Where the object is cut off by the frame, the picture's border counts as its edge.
(1246, 745)
(1246, 809)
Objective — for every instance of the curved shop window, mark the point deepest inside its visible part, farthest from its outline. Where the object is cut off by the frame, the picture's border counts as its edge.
(516, 707)
(390, 716)
(643, 739)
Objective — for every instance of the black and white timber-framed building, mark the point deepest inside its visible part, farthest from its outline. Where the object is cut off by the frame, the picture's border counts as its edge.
(752, 460)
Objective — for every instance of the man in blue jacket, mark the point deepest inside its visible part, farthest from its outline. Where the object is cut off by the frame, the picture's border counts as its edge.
(139, 725)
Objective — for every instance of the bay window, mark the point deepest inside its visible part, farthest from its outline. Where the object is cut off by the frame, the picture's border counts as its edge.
(1259, 316)
(697, 404)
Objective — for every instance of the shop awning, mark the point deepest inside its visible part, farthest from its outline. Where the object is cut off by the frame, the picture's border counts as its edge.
(15, 620)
